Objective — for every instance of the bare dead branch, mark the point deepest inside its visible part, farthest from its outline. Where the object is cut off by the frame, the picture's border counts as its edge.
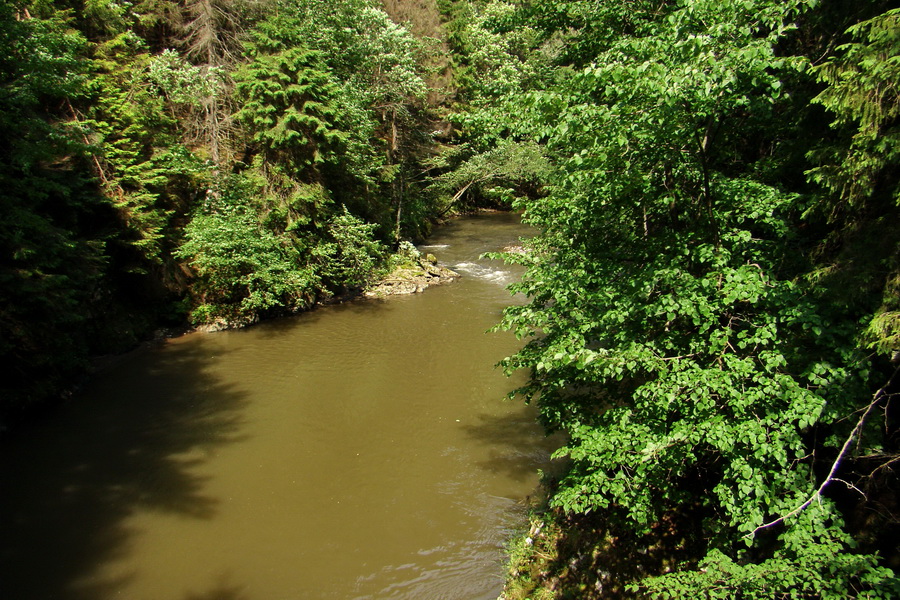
(883, 465)
(876, 398)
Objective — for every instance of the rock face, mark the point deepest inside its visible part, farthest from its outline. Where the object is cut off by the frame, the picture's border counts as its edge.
(412, 278)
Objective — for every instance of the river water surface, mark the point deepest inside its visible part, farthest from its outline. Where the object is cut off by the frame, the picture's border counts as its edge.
(358, 451)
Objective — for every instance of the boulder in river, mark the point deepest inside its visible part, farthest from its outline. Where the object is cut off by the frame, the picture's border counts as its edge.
(411, 278)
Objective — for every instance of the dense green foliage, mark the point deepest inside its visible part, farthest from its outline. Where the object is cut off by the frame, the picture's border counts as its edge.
(207, 161)
(714, 289)
(714, 293)
(46, 258)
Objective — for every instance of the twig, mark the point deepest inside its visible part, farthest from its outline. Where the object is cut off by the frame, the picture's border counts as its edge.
(691, 355)
(850, 486)
(883, 465)
(837, 461)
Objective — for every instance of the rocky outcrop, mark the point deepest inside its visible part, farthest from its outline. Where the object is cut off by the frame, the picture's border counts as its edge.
(515, 249)
(411, 278)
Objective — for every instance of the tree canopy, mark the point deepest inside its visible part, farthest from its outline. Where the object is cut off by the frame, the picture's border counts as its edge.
(203, 161)
(713, 291)
(713, 318)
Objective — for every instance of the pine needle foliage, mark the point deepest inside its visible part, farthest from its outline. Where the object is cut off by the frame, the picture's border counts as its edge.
(218, 161)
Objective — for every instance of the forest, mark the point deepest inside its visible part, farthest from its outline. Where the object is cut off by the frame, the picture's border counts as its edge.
(713, 315)
(202, 162)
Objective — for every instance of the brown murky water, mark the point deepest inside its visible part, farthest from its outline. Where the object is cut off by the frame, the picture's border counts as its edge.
(359, 451)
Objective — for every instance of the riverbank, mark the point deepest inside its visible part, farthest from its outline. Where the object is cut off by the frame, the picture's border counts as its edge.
(586, 556)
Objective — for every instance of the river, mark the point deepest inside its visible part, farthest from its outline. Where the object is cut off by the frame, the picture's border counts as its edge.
(358, 451)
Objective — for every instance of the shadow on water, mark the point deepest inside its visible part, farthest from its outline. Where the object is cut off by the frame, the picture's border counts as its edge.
(131, 441)
(511, 438)
(281, 327)
(222, 591)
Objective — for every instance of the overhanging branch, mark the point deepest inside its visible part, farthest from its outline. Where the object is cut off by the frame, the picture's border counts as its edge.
(879, 395)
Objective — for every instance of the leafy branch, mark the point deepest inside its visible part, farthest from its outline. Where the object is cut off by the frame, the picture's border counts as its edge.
(880, 395)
